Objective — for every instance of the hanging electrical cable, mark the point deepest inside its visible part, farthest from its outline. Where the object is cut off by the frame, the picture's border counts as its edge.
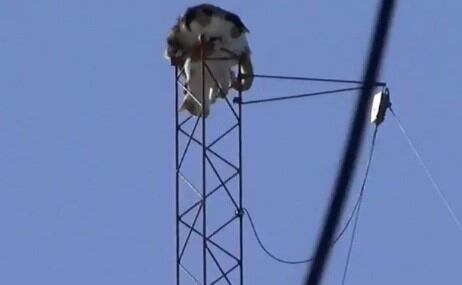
(345, 227)
(360, 199)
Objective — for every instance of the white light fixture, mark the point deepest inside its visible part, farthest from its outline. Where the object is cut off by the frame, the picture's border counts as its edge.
(380, 103)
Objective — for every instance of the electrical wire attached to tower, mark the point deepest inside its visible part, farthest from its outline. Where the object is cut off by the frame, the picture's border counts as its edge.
(354, 212)
(360, 199)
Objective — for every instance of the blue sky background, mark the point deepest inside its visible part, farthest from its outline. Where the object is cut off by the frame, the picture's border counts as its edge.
(87, 141)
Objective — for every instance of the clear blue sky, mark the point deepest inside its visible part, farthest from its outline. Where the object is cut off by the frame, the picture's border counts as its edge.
(87, 141)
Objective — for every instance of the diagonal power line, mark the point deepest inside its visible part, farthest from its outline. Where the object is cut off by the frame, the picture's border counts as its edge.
(435, 185)
(353, 147)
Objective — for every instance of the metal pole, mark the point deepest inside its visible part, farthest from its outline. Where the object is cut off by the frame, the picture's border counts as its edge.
(204, 170)
(177, 182)
(241, 212)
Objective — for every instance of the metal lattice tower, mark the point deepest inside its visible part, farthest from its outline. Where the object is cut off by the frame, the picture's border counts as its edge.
(209, 202)
(209, 183)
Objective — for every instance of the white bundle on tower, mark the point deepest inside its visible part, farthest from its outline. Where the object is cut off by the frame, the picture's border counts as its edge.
(223, 36)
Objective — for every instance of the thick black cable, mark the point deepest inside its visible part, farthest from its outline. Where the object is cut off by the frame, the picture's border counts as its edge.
(340, 234)
(360, 199)
(353, 147)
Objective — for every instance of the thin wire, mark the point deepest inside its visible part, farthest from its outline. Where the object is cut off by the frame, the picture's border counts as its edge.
(345, 227)
(285, 261)
(283, 77)
(360, 199)
(350, 249)
(263, 247)
(436, 187)
(297, 96)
